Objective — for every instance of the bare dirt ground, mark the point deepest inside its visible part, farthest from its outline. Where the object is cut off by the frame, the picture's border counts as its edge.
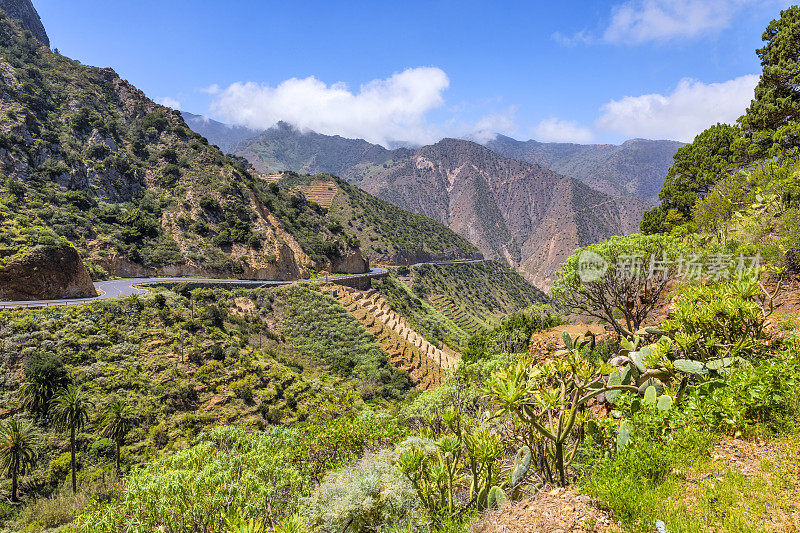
(554, 511)
(545, 343)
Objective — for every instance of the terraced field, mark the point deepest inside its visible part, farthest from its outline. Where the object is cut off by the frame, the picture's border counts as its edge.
(406, 349)
(449, 309)
(272, 178)
(321, 192)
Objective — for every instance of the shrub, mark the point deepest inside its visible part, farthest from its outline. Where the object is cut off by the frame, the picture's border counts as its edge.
(195, 489)
(721, 320)
(102, 449)
(753, 400)
(367, 495)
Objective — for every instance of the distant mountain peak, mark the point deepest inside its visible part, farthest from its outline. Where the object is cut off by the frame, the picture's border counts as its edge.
(26, 14)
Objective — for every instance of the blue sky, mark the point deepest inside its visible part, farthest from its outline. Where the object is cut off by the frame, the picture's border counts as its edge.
(580, 71)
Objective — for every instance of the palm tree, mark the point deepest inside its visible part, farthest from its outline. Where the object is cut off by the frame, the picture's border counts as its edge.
(36, 392)
(71, 412)
(17, 453)
(116, 421)
(44, 376)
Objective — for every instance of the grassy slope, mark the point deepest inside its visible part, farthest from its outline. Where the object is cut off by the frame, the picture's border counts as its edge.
(381, 228)
(247, 357)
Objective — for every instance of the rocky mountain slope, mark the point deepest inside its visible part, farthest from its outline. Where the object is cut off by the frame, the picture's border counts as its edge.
(88, 157)
(26, 14)
(523, 214)
(636, 167)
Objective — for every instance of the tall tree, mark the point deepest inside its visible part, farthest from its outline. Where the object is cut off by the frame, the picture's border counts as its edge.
(71, 413)
(697, 167)
(116, 421)
(777, 95)
(17, 451)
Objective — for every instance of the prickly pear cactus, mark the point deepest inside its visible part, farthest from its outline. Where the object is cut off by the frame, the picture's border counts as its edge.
(496, 497)
(522, 463)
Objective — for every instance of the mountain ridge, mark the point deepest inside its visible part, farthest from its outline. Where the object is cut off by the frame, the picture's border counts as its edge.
(24, 12)
(87, 158)
(521, 213)
(636, 167)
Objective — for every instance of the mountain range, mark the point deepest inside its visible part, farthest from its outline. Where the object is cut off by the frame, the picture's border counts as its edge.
(634, 168)
(520, 212)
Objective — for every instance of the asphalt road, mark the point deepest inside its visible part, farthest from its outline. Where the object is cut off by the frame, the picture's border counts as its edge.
(120, 288)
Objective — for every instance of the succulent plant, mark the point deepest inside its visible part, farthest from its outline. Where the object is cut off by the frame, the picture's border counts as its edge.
(522, 464)
(496, 497)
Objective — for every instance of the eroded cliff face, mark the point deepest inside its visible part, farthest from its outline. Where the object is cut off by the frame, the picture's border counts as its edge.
(26, 14)
(45, 274)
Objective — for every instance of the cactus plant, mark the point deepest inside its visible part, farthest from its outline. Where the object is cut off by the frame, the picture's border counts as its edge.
(522, 463)
(550, 397)
(496, 497)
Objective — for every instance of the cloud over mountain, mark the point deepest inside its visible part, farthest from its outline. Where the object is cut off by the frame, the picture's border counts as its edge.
(380, 111)
(681, 114)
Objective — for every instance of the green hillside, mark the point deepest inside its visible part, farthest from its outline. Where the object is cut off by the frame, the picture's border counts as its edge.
(90, 158)
(485, 291)
(384, 232)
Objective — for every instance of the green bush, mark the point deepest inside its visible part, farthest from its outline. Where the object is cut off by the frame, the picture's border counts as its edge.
(195, 489)
(102, 449)
(754, 399)
(721, 320)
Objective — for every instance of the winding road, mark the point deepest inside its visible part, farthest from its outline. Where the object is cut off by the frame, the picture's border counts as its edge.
(120, 288)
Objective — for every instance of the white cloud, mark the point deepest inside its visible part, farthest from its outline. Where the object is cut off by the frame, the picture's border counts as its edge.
(640, 21)
(556, 130)
(381, 111)
(488, 127)
(169, 102)
(692, 107)
(581, 37)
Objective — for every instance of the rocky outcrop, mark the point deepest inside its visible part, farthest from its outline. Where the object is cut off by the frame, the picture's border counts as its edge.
(46, 274)
(351, 263)
(23, 11)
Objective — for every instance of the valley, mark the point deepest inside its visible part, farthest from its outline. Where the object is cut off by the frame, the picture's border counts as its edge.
(256, 327)
(467, 188)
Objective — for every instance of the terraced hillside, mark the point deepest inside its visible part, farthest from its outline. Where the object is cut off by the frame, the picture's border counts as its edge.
(451, 310)
(320, 191)
(474, 293)
(405, 348)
